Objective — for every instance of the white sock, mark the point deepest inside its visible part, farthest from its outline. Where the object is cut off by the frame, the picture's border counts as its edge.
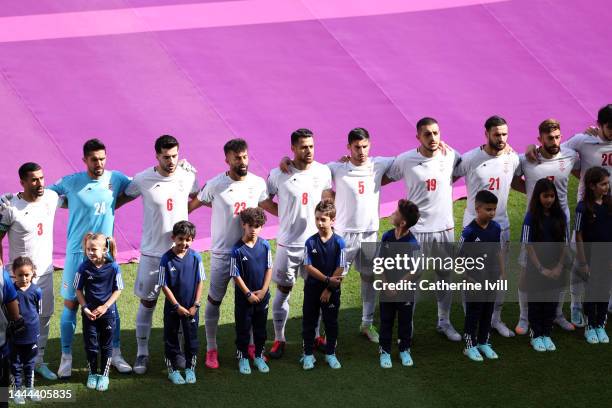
(144, 321)
(445, 299)
(280, 314)
(499, 304)
(211, 324)
(318, 328)
(576, 292)
(368, 299)
(560, 304)
(523, 305)
(42, 339)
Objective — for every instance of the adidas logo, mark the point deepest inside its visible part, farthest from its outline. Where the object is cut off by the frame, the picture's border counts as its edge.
(244, 258)
(332, 306)
(314, 251)
(477, 240)
(109, 327)
(90, 277)
(172, 269)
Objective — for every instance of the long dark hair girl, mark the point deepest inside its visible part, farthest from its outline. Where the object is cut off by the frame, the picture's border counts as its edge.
(537, 211)
(593, 176)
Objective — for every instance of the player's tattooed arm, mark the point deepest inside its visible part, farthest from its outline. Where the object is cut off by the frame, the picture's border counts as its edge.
(123, 199)
(284, 164)
(518, 184)
(195, 203)
(2, 234)
(270, 206)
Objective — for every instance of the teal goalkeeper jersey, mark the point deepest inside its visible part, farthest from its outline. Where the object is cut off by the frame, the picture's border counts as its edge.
(91, 204)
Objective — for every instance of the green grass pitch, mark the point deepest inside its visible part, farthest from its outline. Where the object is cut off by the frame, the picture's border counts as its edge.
(575, 375)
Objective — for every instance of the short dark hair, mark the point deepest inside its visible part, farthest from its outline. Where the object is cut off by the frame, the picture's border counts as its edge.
(494, 121)
(235, 145)
(485, 197)
(27, 168)
(604, 116)
(299, 134)
(185, 228)
(426, 121)
(253, 216)
(358, 134)
(165, 142)
(327, 207)
(548, 126)
(92, 145)
(409, 212)
(23, 261)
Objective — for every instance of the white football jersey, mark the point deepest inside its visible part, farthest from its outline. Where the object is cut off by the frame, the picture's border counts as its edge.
(485, 172)
(558, 169)
(593, 151)
(165, 202)
(429, 184)
(29, 227)
(358, 194)
(228, 197)
(298, 192)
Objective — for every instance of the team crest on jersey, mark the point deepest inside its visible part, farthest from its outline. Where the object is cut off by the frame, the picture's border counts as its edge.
(562, 165)
(506, 166)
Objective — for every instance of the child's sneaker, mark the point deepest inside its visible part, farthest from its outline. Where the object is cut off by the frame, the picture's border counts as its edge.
(406, 358)
(333, 362)
(176, 378)
(102, 383)
(92, 381)
(602, 336)
(522, 327)
(308, 361)
(488, 351)
(261, 365)
(548, 343)
(19, 396)
(473, 354)
(370, 332)
(212, 359)
(385, 360)
(33, 394)
(243, 366)
(591, 335)
(538, 344)
(578, 318)
(190, 376)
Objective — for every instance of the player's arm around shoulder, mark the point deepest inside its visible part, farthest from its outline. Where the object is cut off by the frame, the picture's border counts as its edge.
(204, 197)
